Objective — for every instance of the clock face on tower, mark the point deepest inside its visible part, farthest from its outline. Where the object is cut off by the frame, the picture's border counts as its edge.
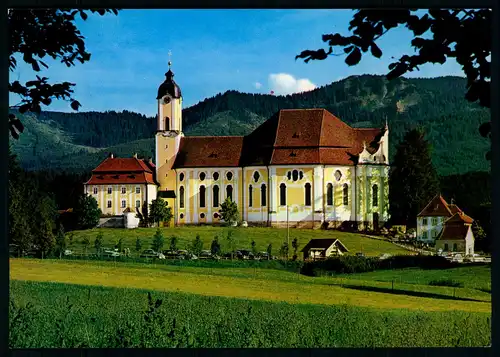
(167, 99)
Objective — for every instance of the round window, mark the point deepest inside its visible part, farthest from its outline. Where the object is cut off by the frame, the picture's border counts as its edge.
(289, 175)
(216, 176)
(229, 176)
(216, 215)
(181, 177)
(202, 215)
(338, 175)
(301, 175)
(256, 176)
(181, 215)
(202, 176)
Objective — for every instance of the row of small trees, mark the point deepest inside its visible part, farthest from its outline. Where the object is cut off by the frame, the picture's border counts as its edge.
(158, 244)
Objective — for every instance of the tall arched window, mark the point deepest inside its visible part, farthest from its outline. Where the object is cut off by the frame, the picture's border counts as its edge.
(202, 196)
(345, 194)
(167, 123)
(307, 194)
(181, 197)
(250, 198)
(329, 194)
(375, 195)
(282, 194)
(215, 191)
(229, 192)
(263, 195)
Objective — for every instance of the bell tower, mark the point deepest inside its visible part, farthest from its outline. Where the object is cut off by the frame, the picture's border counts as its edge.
(168, 132)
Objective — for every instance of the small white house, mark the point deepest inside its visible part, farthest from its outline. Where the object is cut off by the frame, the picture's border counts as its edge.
(323, 248)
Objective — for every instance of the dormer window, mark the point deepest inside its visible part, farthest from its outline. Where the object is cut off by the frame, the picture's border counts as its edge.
(295, 135)
(212, 155)
(293, 154)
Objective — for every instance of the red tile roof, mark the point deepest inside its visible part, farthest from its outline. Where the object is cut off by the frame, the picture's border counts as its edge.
(291, 136)
(123, 178)
(121, 170)
(459, 218)
(125, 164)
(209, 151)
(436, 207)
(454, 232)
(439, 207)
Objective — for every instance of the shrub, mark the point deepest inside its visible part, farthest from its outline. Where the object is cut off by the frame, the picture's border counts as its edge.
(354, 264)
(446, 282)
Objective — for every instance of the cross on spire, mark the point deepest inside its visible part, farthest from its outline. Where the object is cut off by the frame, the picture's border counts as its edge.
(169, 59)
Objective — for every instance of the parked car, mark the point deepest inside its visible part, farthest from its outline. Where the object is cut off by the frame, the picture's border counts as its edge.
(170, 254)
(457, 258)
(244, 254)
(360, 254)
(68, 252)
(264, 255)
(111, 253)
(149, 253)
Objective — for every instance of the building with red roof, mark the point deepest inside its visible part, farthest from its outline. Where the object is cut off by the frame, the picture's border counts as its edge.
(302, 167)
(457, 235)
(445, 225)
(122, 185)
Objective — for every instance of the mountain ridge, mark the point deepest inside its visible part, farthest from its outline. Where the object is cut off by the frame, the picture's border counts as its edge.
(436, 104)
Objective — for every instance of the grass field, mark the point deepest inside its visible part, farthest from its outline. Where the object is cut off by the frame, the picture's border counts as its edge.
(243, 238)
(67, 315)
(104, 304)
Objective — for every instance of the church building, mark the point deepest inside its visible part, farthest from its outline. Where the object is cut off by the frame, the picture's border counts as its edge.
(301, 167)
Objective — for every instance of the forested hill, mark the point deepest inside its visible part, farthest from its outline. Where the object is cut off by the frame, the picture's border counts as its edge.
(79, 141)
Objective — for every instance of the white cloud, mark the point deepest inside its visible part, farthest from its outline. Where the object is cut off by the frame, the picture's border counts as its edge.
(258, 85)
(284, 83)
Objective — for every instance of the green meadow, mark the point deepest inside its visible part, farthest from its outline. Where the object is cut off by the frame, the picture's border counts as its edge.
(59, 303)
(242, 236)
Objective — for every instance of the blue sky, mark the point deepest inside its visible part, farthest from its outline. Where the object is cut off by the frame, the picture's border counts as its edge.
(212, 51)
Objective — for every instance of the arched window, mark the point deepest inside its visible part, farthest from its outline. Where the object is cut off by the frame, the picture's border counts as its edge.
(250, 198)
(256, 176)
(455, 247)
(215, 195)
(375, 195)
(446, 247)
(329, 194)
(263, 195)
(202, 196)
(167, 123)
(181, 197)
(203, 176)
(308, 194)
(345, 194)
(295, 175)
(282, 194)
(229, 192)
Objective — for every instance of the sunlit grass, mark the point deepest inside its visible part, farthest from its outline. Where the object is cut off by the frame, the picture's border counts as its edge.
(243, 238)
(258, 284)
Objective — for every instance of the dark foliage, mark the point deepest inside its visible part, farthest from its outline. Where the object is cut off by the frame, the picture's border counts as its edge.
(354, 264)
(413, 181)
(446, 282)
(35, 34)
(462, 34)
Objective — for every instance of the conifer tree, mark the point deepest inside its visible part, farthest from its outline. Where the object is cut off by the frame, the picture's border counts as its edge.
(413, 180)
